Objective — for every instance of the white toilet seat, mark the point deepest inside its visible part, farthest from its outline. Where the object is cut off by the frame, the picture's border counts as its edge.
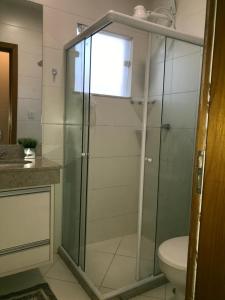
(174, 252)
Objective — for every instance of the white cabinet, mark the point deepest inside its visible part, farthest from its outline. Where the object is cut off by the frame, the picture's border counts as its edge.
(26, 229)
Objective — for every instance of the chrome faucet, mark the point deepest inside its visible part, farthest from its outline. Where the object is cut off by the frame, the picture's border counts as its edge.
(3, 154)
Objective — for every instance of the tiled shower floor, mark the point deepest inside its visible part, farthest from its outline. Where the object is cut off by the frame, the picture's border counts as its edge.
(111, 264)
(66, 287)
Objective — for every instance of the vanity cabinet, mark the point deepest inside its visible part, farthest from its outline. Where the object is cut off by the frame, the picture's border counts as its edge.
(26, 228)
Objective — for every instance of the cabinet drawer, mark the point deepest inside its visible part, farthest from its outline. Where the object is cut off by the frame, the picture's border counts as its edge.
(23, 260)
(24, 219)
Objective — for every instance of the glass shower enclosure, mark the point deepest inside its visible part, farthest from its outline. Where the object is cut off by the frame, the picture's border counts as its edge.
(132, 93)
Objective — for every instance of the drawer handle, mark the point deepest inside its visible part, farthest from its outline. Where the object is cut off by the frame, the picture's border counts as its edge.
(24, 247)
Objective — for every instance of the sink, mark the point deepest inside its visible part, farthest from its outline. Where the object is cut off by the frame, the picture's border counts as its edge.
(14, 163)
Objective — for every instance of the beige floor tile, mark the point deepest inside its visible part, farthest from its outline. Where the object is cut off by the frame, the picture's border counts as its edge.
(121, 272)
(169, 292)
(141, 297)
(97, 264)
(158, 293)
(60, 271)
(108, 246)
(128, 246)
(44, 269)
(64, 290)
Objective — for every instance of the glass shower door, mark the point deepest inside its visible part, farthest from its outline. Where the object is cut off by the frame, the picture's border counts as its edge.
(179, 118)
(85, 152)
(152, 148)
(75, 151)
(175, 69)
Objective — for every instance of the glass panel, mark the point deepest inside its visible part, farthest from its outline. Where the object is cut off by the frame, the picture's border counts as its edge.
(73, 139)
(180, 107)
(114, 172)
(86, 122)
(150, 192)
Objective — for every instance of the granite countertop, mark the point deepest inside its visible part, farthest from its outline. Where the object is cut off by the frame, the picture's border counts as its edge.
(13, 165)
(37, 172)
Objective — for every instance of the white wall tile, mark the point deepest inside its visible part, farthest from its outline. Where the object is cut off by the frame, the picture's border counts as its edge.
(138, 79)
(29, 129)
(180, 110)
(111, 141)
(177, 142)
(111, 202)
(26, 16)
(98, 9)
(191, 6)
(194, 23)
(56, 36)
(154, 111)
(100, 230)
(157, 48)
(28, 64)
(156, 79)
(108, 172)
(190, 16)
(52, 142)
(53, 59)
(175, 48)
(29, 110)
(29, 87)
(186, 73)
(73, 142)
(53, 104)
(28, 40)
(117, 112)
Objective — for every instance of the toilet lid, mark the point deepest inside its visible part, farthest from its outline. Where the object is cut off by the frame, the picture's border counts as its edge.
(174, 252)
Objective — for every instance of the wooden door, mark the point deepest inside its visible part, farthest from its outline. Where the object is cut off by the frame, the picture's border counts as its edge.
(209, 207)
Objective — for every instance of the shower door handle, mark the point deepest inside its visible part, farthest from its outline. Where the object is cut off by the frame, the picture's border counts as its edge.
(83, 154)
(148, 159)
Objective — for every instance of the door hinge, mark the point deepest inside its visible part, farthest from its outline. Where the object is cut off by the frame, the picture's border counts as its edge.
(200, 171)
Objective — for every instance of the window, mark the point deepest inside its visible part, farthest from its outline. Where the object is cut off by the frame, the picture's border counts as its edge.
(110, 65)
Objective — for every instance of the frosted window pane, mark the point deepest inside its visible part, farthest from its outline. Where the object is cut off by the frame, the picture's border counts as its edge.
(110, 64)
(110, 67)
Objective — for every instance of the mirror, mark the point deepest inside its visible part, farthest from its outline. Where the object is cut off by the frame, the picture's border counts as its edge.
(21, 36)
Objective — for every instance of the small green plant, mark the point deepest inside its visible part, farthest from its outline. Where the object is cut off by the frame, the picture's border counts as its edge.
(27, 142)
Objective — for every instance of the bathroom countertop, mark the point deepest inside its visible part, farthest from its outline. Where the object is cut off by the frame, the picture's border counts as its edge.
(38, 172)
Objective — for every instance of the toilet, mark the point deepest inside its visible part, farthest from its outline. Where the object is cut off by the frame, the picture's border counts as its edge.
(173, 263)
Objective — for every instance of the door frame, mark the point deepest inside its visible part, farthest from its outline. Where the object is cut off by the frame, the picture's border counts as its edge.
(194, 287)
(12, 49)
